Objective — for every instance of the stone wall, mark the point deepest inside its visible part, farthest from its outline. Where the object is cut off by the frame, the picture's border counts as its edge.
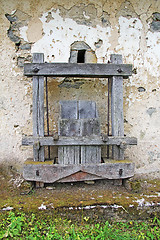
(130, 28)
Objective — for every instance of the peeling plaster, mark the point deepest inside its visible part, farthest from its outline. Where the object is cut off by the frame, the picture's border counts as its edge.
(23, 33)
(130, 35)
(34, 31)
(152, 56)
(60, 33)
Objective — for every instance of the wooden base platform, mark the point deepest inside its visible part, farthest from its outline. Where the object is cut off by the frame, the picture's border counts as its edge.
(48, 172)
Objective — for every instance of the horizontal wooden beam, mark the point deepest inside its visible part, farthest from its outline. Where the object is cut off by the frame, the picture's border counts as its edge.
(77, 70)
(76, 141)
(48, 172)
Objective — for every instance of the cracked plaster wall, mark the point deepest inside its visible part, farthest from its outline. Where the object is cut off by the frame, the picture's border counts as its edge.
(130, 28)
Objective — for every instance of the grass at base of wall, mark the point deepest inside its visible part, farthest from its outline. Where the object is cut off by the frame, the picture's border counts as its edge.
(34, 226)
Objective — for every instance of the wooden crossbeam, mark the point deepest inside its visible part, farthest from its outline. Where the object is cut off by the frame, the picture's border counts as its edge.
(81, 141)
(49, 172)
(77, 70)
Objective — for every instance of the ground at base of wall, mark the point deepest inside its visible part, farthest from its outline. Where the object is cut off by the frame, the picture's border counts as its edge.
(98, 201)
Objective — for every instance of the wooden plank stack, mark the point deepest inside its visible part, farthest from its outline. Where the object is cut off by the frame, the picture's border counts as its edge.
(79, 118)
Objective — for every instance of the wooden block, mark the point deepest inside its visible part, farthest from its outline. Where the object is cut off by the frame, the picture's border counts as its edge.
(90, 127)
(87, 109)
(79, 127)
(69, 127)
(48, 172)
(68, 109)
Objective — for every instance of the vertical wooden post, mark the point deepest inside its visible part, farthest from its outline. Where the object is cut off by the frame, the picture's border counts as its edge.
(38, 112)
(117, 108)
(38, 109)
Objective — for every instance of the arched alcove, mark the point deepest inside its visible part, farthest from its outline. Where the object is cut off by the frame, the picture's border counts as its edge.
(81, 52)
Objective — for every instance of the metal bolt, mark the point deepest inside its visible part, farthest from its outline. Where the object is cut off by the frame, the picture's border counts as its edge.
(120, 171)
(35, 70)
(119, 70)
(37, 172)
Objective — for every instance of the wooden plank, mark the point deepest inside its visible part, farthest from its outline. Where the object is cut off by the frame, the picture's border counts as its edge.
(76, 154)
(77, 69)
(82, 141)
(83, 155)
(90, 127)
(90, 154)
(49, 173)
(98, 154)
(117, 108)
(60, 155)
(71, 154)
(41, 115)
(38, 108)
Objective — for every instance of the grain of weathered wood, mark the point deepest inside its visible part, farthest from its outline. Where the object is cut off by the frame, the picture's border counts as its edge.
(77, 70)
(90, 127)
(90, 154)
(38, 108)
(83, 154)
(78, 118)
(117, 107)
(60, 155)
(69, 127)
(78, 127)
(87, 109)
(69, 109)
(76, 154)
(68, 155)
(50, 173)
(82, 141)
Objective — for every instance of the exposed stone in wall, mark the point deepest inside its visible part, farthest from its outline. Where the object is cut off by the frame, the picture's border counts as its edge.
(151, 110)
(127, 10)
(85, 15)
(18, 19)
(155, 25)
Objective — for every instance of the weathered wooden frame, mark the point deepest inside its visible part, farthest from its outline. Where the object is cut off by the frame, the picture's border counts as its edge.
(115, 71)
